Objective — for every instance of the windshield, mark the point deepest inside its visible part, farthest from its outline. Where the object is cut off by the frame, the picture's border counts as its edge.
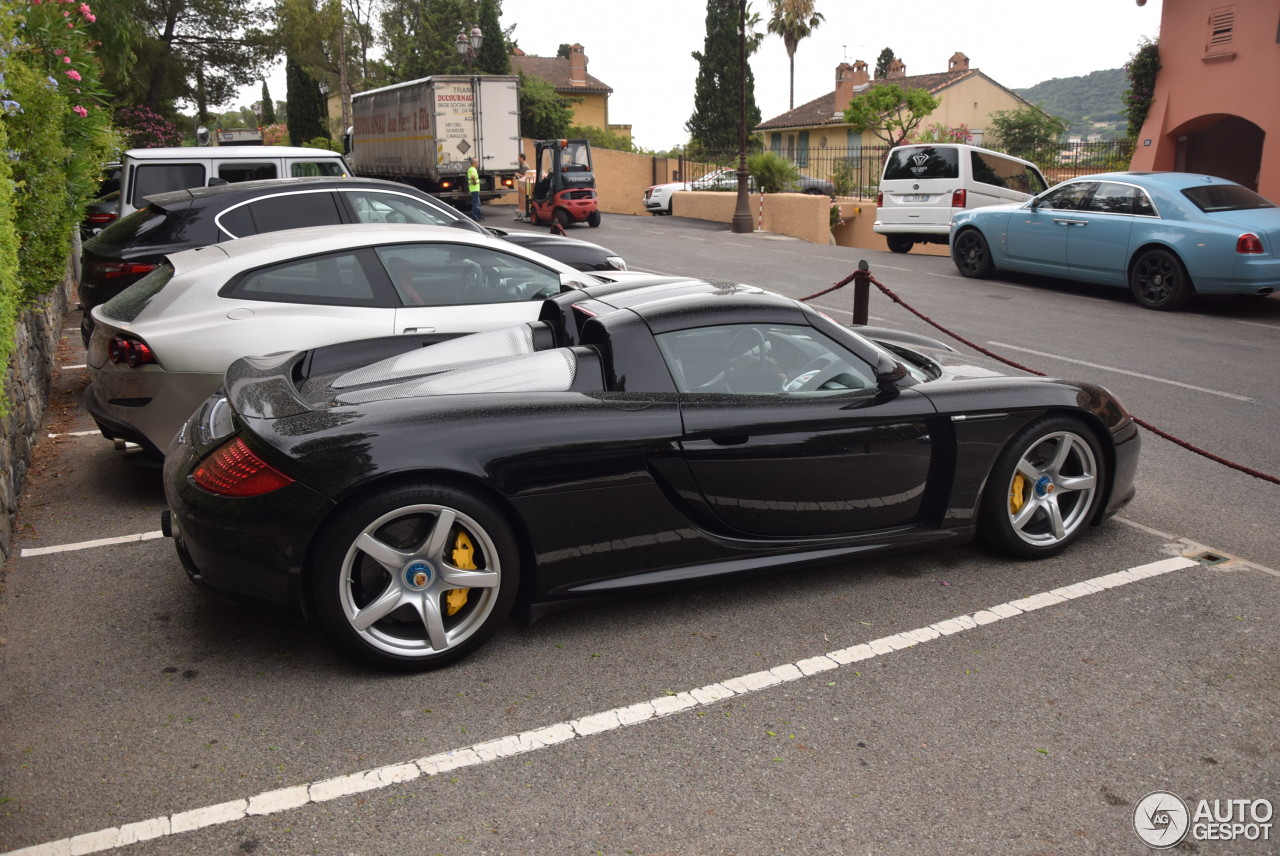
(1213, 198)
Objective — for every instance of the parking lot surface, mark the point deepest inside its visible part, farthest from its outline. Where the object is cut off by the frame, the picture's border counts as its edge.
(943, 702)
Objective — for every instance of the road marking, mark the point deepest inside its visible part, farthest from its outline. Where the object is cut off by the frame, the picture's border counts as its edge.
(298, 796)
(1105, 368)
(1258, 324)
(81, 366)
(85, 545)
(75, 434)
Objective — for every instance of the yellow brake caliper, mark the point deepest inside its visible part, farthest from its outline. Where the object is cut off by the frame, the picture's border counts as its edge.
(1017, 493)
(464, 559)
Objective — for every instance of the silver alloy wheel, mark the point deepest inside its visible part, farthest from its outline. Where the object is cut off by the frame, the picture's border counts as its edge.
(395, 579)
(1052, 488)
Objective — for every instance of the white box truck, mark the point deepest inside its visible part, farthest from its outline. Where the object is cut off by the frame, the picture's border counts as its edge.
(423, 133)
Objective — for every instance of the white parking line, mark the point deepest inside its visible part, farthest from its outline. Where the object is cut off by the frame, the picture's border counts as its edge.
(1230, 395)
(75, 434)
(81, 366)
(297, 796)
(1259, 324)
(85, 545)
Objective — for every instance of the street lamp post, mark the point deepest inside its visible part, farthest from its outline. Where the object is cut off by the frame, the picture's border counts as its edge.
(468, 46)
(741, 223)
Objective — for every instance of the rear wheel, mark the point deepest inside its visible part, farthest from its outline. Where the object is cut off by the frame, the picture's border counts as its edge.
(1044, 488)
(1159, 281)
(971, 254)
(416, 577)
(899, 243)
(593, 219)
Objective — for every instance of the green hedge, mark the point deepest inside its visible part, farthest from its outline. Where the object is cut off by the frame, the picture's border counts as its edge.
(55, 135)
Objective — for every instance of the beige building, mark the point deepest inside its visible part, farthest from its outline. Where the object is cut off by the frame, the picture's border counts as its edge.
(588, 96)
(968, 98)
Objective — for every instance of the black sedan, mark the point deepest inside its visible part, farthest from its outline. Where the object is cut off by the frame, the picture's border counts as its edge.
(130, 248)
(633, 437)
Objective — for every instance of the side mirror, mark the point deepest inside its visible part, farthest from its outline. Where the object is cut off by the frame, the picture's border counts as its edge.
(888, 372)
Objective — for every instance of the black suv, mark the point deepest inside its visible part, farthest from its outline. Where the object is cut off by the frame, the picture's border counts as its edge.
(131, 247)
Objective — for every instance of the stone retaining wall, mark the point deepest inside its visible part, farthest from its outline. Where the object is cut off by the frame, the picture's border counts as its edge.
(27, 382)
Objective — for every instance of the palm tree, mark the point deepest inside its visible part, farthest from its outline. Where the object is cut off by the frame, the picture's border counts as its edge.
(793, 20)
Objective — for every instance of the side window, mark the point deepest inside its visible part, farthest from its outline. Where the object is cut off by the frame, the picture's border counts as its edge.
(163, 177)
(294, 211)
(237, 222)
(308, 169)
(337, 279)
(1068, 197)
(234, 171)
(1003, 172)
(382, 207)
(1111, 198)
(1142, 204)
(460, 274)
(761, 359)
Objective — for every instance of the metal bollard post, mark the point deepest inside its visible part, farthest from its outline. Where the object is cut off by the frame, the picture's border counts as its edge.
(861, 292)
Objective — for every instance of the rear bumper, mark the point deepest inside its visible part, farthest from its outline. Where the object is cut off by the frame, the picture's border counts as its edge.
(145, 407)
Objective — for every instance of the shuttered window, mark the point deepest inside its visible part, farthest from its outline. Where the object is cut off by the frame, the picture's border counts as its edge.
(1222, 24)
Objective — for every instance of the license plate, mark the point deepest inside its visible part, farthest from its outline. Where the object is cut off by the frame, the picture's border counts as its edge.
(918, 197)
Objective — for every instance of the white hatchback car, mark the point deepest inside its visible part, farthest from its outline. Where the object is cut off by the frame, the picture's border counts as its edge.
(161, 347)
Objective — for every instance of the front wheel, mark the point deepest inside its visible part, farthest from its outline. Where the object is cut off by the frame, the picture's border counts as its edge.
(1159, 281)
(416, 577)
(561, 216)
(971, 255)
(1044, 489)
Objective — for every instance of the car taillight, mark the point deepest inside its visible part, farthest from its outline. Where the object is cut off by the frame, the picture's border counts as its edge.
(131, 352)
(114, 270)
(958, 198)
(1249, 244)
(234, 470)
(99, 218)
(880, 200)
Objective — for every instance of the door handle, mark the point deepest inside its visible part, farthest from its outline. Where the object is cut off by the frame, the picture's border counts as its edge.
(731, 440)
(411, 330)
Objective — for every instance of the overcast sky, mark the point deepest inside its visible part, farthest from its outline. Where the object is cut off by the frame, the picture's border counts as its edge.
(642, 48)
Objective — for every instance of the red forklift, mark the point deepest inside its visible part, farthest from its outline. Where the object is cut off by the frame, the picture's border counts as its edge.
(565, 189)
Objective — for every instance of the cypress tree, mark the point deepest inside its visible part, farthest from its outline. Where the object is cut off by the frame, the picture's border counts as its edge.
(308, 117)
(716, 98)
(268, 107)
(494, 56)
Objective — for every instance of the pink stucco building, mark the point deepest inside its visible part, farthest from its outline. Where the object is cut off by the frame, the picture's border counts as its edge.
(1216, 108)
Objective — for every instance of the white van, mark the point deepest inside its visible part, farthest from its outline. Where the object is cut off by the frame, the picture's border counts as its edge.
(149, 171)
(924, 184)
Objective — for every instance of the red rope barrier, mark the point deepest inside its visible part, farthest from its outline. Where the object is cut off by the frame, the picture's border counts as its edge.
(1148, 426)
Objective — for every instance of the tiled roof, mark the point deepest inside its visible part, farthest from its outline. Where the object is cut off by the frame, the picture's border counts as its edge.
(555, 70)
(821, 111)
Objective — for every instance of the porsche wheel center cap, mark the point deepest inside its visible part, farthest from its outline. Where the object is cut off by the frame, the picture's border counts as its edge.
(1044, 486)
(418, 575)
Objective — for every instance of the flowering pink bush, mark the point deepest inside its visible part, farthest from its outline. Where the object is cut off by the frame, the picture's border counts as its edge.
(143, 128)
(275, 135)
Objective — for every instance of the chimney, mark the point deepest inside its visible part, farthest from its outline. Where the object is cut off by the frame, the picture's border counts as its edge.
(958, 62)
(848, 79)
(897, 68)
(577, 66)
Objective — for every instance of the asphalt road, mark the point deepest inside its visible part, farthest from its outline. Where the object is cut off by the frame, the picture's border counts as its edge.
(938, 702)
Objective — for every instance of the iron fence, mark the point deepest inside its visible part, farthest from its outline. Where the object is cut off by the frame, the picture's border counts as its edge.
(856, 172)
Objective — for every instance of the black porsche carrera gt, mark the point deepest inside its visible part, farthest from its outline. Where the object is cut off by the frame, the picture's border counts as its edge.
(409, 496)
